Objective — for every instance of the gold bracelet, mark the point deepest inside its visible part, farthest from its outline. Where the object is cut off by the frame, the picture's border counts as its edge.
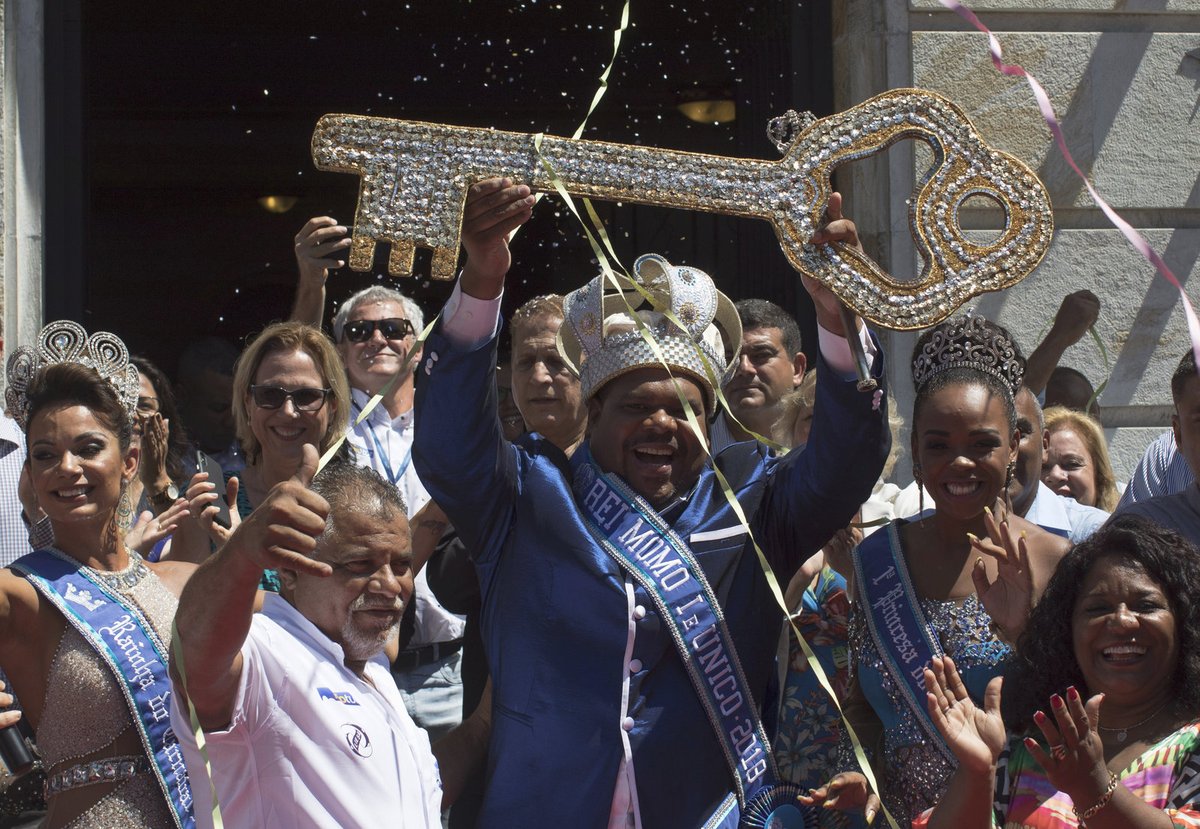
(1099, 804)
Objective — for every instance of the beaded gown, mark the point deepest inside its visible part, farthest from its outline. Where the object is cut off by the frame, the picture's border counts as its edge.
(913, 772)
(85, 711)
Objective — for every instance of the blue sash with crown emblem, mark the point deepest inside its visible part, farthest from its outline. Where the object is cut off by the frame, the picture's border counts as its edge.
(128, 644)
(634, 534)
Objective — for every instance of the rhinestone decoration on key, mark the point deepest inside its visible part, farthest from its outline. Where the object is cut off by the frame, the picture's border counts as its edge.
(415, 175)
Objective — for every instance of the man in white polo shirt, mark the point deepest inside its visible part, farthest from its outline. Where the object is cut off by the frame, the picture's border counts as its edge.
(303, 728)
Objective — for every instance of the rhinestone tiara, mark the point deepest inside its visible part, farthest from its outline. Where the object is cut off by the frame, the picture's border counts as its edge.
(600, 340)
(973, 342)
(67, 342)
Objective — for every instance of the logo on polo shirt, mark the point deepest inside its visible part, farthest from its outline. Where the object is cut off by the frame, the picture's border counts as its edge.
(357, 739)
(344, 697)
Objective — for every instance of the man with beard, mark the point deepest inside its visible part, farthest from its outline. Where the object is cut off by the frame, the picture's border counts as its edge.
(769, 365)
(375, 329)
(303, 727)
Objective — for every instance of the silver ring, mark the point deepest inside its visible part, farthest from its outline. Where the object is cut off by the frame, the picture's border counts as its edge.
(1058, 752)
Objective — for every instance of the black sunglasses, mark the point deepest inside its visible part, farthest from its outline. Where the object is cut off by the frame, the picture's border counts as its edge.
(393, 328)
(305, 400)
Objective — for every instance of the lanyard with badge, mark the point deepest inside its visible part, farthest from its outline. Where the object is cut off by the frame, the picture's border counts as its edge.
(394, 475)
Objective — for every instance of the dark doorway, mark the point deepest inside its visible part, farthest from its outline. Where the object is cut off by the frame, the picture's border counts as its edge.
(172, 119)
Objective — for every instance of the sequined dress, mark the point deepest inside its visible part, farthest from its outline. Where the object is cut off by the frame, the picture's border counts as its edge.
(914, 772)
(85, 711)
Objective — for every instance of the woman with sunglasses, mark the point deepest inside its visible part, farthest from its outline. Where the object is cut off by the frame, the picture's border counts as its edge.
(288, 390)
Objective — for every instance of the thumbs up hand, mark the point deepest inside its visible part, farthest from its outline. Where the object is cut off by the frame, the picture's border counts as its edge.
(282, 532)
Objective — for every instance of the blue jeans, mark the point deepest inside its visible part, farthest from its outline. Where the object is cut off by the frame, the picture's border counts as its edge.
(433, 694)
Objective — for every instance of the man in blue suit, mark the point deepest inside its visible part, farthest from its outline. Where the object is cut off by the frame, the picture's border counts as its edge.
(599, 718)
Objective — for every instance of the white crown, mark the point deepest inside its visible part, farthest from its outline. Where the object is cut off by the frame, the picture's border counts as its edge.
(969, 341)
(67, 342)
(600, 340)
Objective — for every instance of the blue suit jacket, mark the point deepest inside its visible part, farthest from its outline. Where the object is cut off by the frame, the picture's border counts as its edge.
(555, 619)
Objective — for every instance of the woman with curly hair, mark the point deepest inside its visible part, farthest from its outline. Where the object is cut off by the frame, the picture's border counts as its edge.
(1114, 647)
(1077, 464)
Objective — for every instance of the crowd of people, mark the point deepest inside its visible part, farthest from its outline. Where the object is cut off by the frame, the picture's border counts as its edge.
(523, 574)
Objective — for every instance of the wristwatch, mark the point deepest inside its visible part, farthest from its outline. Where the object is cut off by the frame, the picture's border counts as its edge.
(162, 500)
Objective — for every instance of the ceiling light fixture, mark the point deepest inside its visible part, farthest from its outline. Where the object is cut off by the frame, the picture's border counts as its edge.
(277, 204)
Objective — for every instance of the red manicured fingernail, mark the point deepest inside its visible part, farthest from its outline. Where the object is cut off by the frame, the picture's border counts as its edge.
(1072, 694)
(1030, 742)
(1056, 701)
(1039, 717)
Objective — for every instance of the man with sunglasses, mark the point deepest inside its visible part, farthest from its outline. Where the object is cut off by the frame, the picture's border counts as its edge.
(375, 329)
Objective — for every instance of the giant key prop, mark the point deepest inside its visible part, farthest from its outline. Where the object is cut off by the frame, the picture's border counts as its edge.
(415, 178)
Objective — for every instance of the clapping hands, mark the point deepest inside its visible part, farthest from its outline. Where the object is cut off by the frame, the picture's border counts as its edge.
(976, 736)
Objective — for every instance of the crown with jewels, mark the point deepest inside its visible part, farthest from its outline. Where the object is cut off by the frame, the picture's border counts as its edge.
(601, 340)
(969, 341)
(66, 342)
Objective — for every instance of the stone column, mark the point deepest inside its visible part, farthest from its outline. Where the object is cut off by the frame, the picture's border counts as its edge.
(22, 171)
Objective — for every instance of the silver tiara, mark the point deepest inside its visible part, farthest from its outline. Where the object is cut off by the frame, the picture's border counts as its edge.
(602, 341)
(67, 342)
(969, 342)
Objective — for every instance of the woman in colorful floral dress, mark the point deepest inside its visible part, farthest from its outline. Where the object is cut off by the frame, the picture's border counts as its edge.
(1104, 698)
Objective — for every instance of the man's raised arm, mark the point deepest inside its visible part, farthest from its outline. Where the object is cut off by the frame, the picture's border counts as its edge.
(458, 451)
(495, 208)
(817, 491)
(217, 605)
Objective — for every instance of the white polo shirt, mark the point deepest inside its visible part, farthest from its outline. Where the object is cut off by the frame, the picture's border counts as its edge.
(310, 744)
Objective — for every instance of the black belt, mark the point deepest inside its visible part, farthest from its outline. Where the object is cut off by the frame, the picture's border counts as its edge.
(412, 658)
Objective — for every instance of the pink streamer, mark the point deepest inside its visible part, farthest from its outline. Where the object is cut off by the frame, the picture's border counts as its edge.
(1136, 239)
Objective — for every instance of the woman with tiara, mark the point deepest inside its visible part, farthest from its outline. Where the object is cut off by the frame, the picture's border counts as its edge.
(924, 588)
(85, 624)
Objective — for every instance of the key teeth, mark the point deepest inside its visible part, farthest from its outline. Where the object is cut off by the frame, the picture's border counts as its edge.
(362, 253)
(445, 260)
(400, 260)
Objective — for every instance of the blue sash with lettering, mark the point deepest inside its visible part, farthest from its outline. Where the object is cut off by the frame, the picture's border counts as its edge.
(130, 647)
(634, 534)
(897, 625)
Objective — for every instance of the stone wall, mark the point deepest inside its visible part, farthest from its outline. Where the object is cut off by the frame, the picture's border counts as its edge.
(1124, 78)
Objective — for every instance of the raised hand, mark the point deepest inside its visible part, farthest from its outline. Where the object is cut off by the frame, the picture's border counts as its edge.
(149, 530)
(7, 718)
(975, 736)
(1009, 598)
(320, 237)
(202, 498)
(282, 532)
(152, 462)
(837, 228)
(495, 208)
(1077, 313)
(1074, 757)
(847, 792)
